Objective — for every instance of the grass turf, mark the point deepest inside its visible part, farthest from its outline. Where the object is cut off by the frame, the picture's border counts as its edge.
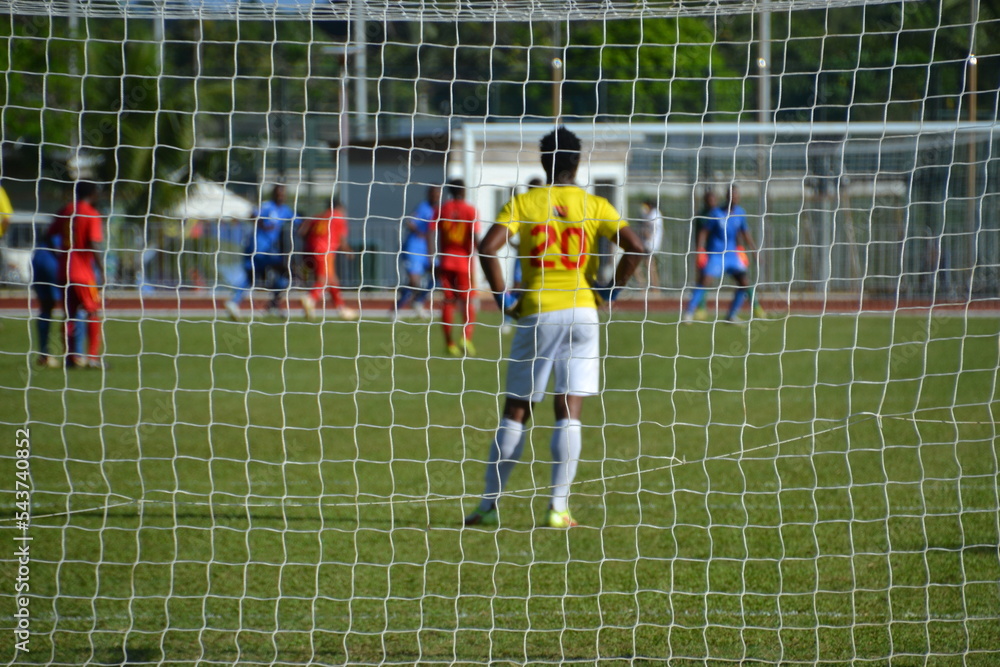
(247, 494)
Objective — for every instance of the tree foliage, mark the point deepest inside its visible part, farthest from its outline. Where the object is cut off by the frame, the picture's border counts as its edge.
(159, 108)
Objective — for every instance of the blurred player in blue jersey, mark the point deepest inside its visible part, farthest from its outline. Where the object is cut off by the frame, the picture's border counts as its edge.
(414, 260)
(720, 239)
(48, 287)
(709, 211)
(268, 254)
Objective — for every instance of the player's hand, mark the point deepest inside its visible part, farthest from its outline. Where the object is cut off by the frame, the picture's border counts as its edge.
(607, 292)
(507, 302)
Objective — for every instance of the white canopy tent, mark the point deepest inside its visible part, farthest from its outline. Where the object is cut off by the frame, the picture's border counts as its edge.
(211, 201)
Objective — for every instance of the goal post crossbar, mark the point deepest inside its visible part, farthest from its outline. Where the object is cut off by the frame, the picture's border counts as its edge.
(417, 10)
(634, 131)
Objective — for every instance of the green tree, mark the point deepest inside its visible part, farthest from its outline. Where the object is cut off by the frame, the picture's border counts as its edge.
(138, 101)
(632, 68)
(905, 61)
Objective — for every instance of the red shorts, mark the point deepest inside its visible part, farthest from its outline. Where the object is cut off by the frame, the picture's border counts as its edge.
(455, 284)
(79, 296)
(321, 265)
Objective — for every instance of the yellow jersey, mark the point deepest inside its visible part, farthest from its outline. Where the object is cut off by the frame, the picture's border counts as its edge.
(6, 210)
(559, 227)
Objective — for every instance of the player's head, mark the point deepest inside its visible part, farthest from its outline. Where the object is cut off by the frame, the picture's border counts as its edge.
(535, 182)
(710, 198)
(86, 191)
(648, 204)
(456, 188)
(278, 194)
(560, 155)
(433, 195)
(335, 203)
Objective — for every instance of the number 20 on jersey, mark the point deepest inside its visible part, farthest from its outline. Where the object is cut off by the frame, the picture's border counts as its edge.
(569, 247)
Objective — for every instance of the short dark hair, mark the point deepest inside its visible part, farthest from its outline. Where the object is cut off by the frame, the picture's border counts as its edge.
(456, 188)
(650, 202)
(84, 189)
(560, 153)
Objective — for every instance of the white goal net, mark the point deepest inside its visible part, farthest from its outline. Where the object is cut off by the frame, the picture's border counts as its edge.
(247, 420)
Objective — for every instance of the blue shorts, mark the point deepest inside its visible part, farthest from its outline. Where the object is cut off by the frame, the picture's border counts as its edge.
(261, 266)
(728, 262)
(414, 263)
(44, 276)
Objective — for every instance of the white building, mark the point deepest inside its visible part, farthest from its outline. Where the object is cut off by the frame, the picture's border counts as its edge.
(496, 158)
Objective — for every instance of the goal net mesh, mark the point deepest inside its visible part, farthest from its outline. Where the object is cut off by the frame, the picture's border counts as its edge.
(814, 485)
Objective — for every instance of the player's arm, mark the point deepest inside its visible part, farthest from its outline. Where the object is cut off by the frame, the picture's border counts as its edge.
(345, 233)
(433, 232)
(95, 242)
(410, 222)
(496, 238)
(702, 238)
(747, 239)
(635, 250)
(306, 227)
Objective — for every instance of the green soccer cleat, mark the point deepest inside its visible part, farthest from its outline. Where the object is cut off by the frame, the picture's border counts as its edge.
(453, 350)
(481, 518)
(554, 519)
(468, 347)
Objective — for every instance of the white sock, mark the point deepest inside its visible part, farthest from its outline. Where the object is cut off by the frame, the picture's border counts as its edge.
(505, 452)
(567, 443)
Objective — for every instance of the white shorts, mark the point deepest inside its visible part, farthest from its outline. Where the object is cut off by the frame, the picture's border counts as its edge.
(565, 341)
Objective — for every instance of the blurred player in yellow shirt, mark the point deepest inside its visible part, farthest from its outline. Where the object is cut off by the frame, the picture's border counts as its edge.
(6, 210)
(559, 226)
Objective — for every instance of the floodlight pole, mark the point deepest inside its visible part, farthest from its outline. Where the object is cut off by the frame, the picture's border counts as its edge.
(342, 53)
(359, 51)
(970, 178)
(557, 73)
(344, 130)
(557, 78)
(765, 118)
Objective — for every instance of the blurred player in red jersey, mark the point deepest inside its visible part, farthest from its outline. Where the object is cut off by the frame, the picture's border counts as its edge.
(324, 236)
(78, 225)
(454, 239)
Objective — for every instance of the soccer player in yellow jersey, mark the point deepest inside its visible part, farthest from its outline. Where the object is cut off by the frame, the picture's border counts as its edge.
(559, 226)
(6, 210)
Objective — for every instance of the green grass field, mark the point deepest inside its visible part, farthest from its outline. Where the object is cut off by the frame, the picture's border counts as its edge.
(269, 493)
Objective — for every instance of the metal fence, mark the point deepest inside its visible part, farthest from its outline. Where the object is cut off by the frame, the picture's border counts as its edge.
(878, 213)
(907, 214)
